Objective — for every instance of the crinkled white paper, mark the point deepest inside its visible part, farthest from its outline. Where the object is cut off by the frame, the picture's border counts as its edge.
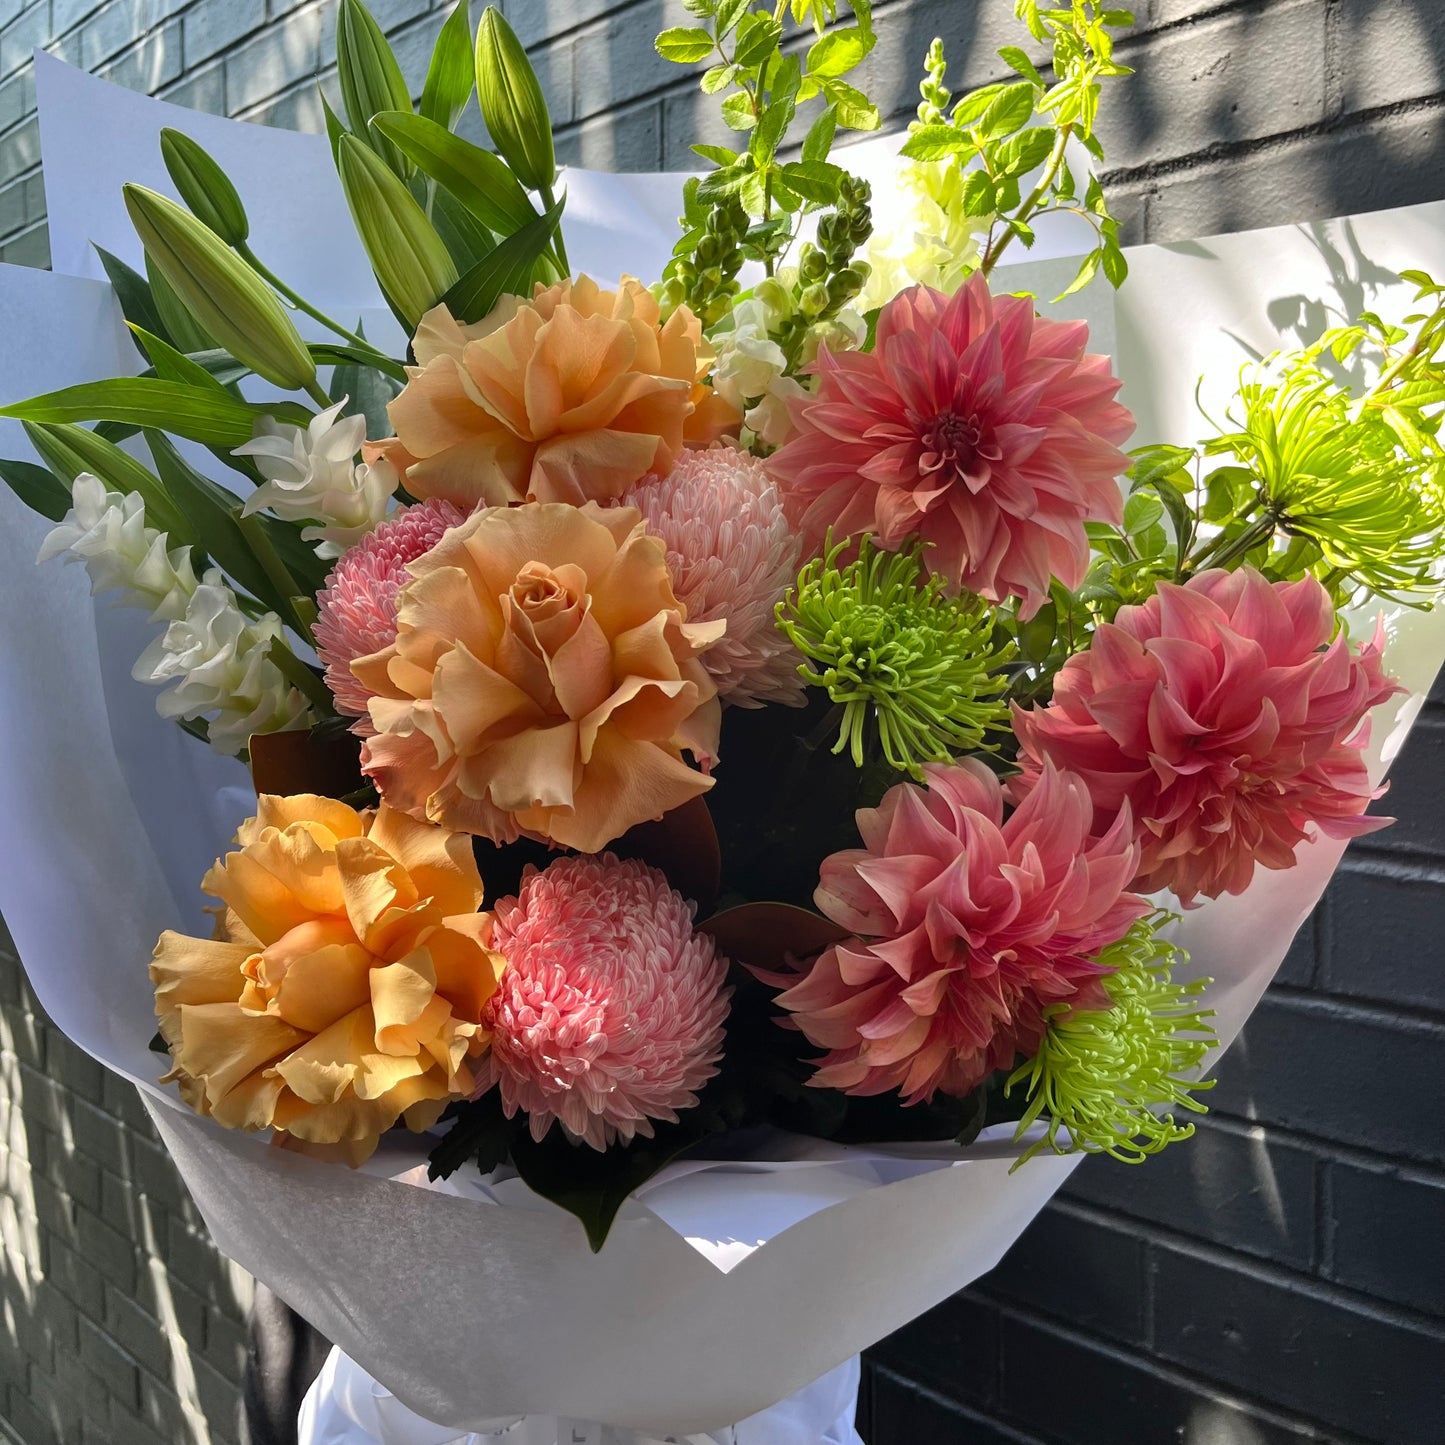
(723, 1288)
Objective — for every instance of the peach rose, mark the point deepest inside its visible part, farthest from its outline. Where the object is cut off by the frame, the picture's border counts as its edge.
(569, 397)
(542, 680)
(347, 987)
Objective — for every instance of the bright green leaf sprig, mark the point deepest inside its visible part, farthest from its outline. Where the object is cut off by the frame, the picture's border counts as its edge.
(1104, 1078)
(995, 136)
(761, 87)
(901, 659)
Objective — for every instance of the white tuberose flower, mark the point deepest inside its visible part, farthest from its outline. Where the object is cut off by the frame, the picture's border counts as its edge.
(210, 649)
(313, 476)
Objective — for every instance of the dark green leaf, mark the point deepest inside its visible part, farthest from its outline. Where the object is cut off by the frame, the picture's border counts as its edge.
(173, 365)
(133, 292)
(819, 140)
(506, 271)
(467, 240)
(480, 1131)
(484, 184)
(839, 51)
(335, 353)
(684, 44)
(450, 75)
(758, 37)
(38, 487)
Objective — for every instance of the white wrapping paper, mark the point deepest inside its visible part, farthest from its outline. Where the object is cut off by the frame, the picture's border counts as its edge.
(724, 1287)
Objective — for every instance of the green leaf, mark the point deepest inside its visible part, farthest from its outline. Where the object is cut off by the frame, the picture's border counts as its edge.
(1116, 265)
(1142, 511)
(718, 155)
(483, 183)
(839, 51)
(777, 117)
(980, 196)
(370, 79)
(70, 450)
(173, 365)
(203, 414)
(737, 111)
(758, 37)
(213, 515)
(815, 181)
(1155, 462)
(335, 353)
(1087, 270)
(819, 140)
(467, 240)
(480, 1132)
(729, 13)
(334, 128)
(722, 183)
(1019, 154)
(505, 271)
(935, 143)
(133, 292)
(684, 44)
(718, 78)
(1008, 110)
(450, 75)
(975, 103)
(1015, 59)
(855, 110)
(38, 487)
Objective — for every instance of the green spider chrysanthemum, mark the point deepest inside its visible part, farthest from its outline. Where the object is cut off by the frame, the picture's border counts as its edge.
(896, 653)
(1100, 1076)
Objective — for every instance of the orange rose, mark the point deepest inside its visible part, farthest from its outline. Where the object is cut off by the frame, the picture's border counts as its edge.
(569, 397)
(542, 680)
(347, 990)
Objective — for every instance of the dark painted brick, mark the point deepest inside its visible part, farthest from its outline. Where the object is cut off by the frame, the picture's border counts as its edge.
(1320, 1067)
(110, 1252)
(137, 1333)
(1385, 51)
(105, 1359)
(535, 22)
(903, 1415)
(1388, 1234)
(1247, 1189)
(1387, 941)
(1069, 1389)
(1300, 1348)
(617, 61)
(1071, 1265)
(630, 140)
(952, 1349)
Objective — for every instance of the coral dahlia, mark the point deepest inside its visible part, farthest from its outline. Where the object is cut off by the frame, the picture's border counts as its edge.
(732, 556)
(1225, 716)
(357, 607)
(985, 430)
(969, 926)
(611, 1008)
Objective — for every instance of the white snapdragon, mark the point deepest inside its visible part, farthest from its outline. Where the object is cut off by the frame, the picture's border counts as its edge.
(312, 476)
(769, 420)
(108, 533)
(217, 660)
(748, 359)
(214, 655)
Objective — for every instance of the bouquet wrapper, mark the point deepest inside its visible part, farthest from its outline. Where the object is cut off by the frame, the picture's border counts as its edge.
(727, 1284)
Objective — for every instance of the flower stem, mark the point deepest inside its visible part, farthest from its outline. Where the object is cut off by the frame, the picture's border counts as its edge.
(301, 304)
(1035, 197)
(277, 571)
(301, 677)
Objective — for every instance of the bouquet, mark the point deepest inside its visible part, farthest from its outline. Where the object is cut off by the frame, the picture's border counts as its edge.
(703, 727)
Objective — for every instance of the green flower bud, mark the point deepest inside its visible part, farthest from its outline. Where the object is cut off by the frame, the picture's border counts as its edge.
(182, 329)
(814, 300)
(512, 105)
(204, 187)
(224, 295)
(409, 258)
(371, 80)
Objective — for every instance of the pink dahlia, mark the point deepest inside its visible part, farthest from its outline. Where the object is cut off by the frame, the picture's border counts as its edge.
(357, 607)
(610, 1011)
(985, 430)
(732, 556)
(1224, 717)
(968, 925)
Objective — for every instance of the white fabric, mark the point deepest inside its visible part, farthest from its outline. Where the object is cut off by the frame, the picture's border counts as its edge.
(345, 1406)
(725, 1286)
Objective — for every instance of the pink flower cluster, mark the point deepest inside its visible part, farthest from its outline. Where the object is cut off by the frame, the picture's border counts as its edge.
(1224, 718)
(974, 424)
(609, 1014)
(969, 924)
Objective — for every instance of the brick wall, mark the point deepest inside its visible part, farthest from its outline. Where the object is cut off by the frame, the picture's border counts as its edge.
(1279, 1279)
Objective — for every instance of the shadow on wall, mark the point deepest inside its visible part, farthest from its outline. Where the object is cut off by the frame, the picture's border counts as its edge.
(118, 1320)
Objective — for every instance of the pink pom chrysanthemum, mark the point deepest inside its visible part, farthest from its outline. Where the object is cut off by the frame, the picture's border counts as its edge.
(609, 1014)
(973, 424)
(732, 556)
(1226, 716)
(357, 607)
(969, 925)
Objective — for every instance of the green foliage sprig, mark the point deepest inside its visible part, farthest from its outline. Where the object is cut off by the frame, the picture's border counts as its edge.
(998, 134)
(761, 86)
